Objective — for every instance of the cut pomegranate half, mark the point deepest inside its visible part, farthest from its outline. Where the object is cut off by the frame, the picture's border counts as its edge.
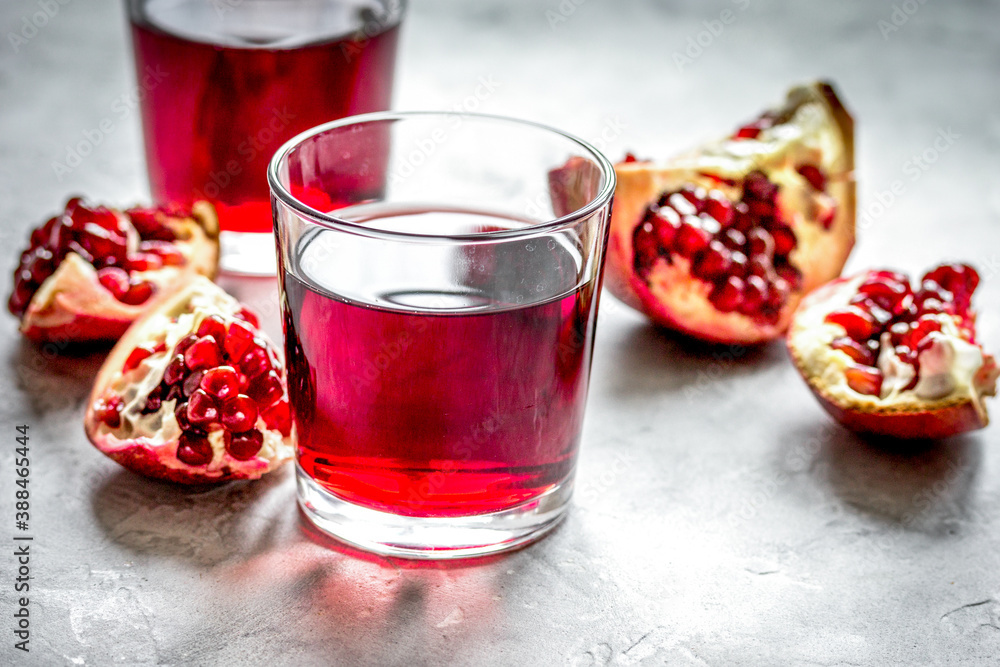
(89, 272)
(894, 359)
(193, 393)
(721, 243)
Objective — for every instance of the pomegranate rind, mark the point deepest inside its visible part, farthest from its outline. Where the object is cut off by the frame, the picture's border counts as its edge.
(155, 455)
(72, 306)
(818, 131)
(906, 416)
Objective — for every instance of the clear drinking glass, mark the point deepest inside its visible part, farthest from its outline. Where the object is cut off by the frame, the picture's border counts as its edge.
(440, 276)
(224, 83)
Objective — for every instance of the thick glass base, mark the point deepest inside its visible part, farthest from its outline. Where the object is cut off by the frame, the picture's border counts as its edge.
(432, 537)
(247, 253)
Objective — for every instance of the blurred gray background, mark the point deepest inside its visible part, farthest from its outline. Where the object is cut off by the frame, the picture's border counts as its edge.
(721, 517)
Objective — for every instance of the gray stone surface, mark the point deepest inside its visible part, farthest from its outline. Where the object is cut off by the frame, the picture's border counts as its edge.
(721, 518)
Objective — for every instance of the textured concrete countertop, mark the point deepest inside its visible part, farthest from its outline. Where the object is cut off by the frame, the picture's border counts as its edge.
(721, 517)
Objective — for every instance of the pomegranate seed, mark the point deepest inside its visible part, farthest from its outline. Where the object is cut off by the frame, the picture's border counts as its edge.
(255, 362)
(153, 402)
(244, 446)
(175, 370)
(203, 353)
(734, 239)
(646, 249)
(40, 265)
(238, 340)
(192, 382)
(175, 393)
(137, 356)
(250, 316)
(858, 324)
(719, 208)
(167, 252)
(858, 352)
(790, 275)
(266, 389)
(761, 266)
(278, 417)
(712, 262)
(143, 261)
(959, 279)
(147, 222)
(109, 411)
(691, 240)
(761, 243)
(221, 382)
(738, 264)
(194, 449)
(114, 280)
(816, 178)
(201, 409)
(747, 132)
(920, 329)
(213, 326)
(727, 296)
(754, 295)
(784, 241)
(665, 224)
(864, 379)
(238, 413)
(180, 414)
(138, 293)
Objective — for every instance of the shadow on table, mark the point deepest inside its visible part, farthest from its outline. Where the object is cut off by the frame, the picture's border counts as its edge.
(923, 486)
(653, 359)
(54, 377)
(205, 525)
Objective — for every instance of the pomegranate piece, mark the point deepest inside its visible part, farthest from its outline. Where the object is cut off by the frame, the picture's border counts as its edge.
(91, 271)
(201, 420)
(722, 242)
(888, 359)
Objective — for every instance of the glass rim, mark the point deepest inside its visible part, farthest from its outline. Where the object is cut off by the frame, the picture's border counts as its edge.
(281, 194)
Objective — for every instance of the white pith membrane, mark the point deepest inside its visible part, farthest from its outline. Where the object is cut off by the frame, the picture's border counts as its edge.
(173, 320)
(948, 368)
(809, 134)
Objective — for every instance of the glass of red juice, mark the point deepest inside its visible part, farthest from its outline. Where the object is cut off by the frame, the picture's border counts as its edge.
(439, 278)
(224, 83)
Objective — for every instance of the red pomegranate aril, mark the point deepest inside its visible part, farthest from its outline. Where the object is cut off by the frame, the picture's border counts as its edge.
(153, 402)
(761, 242)
(41, 265)
(884, 291)
(244, 446)
(858, 324)
(691, 240)
(114, 280)
(180, 414)
(720, 209)
(784, 241)
(734, 239)
(712, 262)
(238, 340)
(646, 247)
(184, 343)
(683, 202)
(192, 382)
(169, 255)
(959, 279)
(255, 362)
(790, 275)
(248, 315)
(212, 326)
(754, 295)
(761, 266)
(220, 383)
(864, 379)
(201, 409)
(665, 227)
(203, 353)
(747, 132)
(175, 370)
(266, 389)
(812, 173)
(238, 413)
(920, 329)
(138, 293)
(279, 417)
(109, 411)
(143, 261)
(194, 449)
(136, 357)
(858, 352)
(727, 296)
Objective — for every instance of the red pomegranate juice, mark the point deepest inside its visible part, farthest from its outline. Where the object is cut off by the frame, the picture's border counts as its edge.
(217, 100)
(440, 411)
